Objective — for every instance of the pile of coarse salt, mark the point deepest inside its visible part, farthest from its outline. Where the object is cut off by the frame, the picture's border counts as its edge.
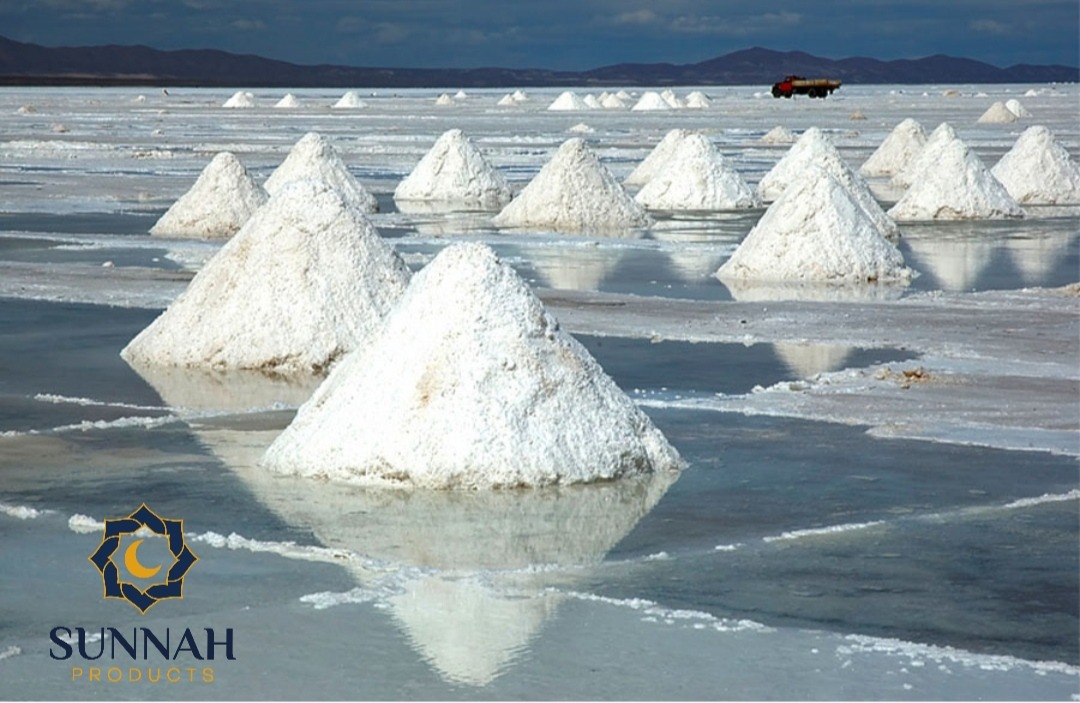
(222, 199)
(455, 171)
(314, 158)
(1038, 170)
(998, 114)
(651, 100)
(896, 151)
(568, 101)
(697, 177)
(815, 232)
(470, 384)
(350, 100)
(574, 192)
(925, 156)
(288, 101)
(657, 158)
(815, 149)
(241, 98)
(778, 135)
(957, 187)
(304, 281)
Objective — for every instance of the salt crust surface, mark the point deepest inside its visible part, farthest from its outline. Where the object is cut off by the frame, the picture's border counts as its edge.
(814, 149)
(816, 232)
(896, 150)
(314, 158)
(306, 280)
(657, 158)
(998, 114)
(778, 135)
(455, 170)
(1038, 170)
(957, 187)
(568, 100)
(573, 192)
(222, 199)
(697, 177)
(925, 157)
(470, 384)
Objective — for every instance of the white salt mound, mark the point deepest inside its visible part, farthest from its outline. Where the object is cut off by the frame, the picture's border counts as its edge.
(651, 100)
(470, 384)
(507, 101)
(460, 95)
(998, 114)
(957, 187)
(568, 101)
(304, 281)
(673, 100)
(924, 158)
(1039, 170)
(697, 177)
(815, 232)
(240, 99)
(657, 158)
(697, 100)
(778, 135)
(612, 102)
(222, 199)
(624, 96)
(573, 192)
(289, 100)
(812, 149)
(580, 128)
(592, 102)
(519, 95)
(455, 171)
(896, 151)
(444, 100)
(314, 158)
(1016, 108)
(350, 100)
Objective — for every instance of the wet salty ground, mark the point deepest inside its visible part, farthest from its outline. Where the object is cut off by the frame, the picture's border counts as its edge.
(822, 544)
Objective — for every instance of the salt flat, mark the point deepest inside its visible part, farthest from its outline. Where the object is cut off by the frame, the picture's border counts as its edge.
(882, 507)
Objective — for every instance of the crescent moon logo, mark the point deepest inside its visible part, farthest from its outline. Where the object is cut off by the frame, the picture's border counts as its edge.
(131, 561)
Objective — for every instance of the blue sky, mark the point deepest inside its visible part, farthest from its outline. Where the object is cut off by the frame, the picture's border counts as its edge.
(561, 34)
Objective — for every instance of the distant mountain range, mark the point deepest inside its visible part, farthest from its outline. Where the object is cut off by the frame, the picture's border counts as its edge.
(31, 64)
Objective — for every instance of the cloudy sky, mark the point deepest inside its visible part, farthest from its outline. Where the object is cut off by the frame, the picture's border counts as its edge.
(562, 34)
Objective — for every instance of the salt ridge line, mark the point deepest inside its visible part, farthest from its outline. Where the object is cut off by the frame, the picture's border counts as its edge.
(864, 644)
(133, 421)
(64, 399)
(669, 615)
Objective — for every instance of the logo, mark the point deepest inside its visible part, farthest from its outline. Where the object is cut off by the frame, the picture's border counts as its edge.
(143, 586)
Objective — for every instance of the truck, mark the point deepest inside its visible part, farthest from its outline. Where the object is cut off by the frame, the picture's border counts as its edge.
(797, 85)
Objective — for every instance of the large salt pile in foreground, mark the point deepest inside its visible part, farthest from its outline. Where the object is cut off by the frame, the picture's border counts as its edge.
(925, 157)
(1039, 170)
(998, 114)
(470, 384)
(455, 171)
(568, 100)
(306, 280)
(651, 100)
(815, 149)
(573, 192)
(657, 158)
(815, 232)
(221, 201)
(896, 151)
(240, 98)
(697, 177)
(957, 187)
(314, 158)
(350, 100)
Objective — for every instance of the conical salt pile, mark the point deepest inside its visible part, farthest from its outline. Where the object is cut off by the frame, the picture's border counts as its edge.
(221, 201)
(957, 187)
(815, 149)
(240, 99)
(568, 100)
(612, 102)
(306, 280)
(673, 100)
(519, 95)
(651, 100)
(998, 114)
(350, 100)
(507, 101)
(815, 232)
(657, 158)
(314, 158)
(896, 151)
(697, 177)
(1039, 170)
(925, 157)
(1016, 108)
(455, 171)
(289, 100)
(573, 192)
(470, 384)
(592, 102)
(624, 96)
(697, 100)
(778, 135)
(444, 100)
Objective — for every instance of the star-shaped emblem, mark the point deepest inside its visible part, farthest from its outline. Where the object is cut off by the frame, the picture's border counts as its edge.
(171, 530)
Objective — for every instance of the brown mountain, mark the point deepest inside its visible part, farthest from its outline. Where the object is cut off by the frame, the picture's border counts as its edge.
(31, 64)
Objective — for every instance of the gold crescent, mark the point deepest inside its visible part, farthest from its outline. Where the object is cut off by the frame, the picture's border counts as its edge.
(131, 561)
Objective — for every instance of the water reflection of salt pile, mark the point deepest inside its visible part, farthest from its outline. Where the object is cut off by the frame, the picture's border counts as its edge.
(765, 291)
(955, 262)
(586, 269)
(808, 360)
(1035, 258)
